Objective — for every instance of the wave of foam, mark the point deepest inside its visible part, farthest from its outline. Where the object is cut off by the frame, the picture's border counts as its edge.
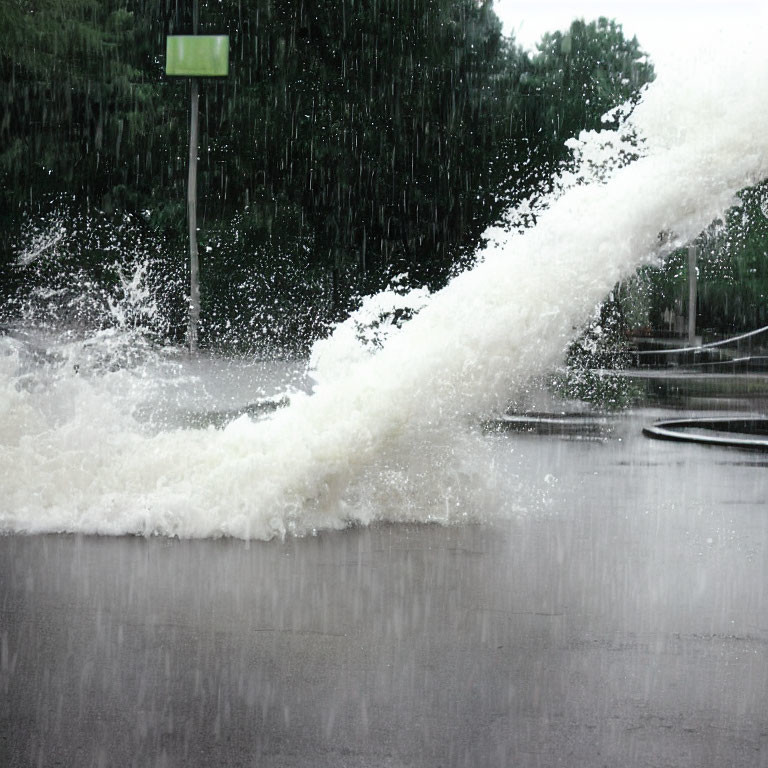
(75, 458)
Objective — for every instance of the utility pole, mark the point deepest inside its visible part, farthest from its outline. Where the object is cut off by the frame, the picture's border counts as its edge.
(194, 259)
(195, 56)
(692, 295)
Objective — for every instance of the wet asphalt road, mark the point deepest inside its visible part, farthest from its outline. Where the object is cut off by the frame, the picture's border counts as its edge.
(618, 618)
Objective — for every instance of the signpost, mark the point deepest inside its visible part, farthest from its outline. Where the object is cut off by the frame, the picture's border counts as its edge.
(692, 295)
(195, 56)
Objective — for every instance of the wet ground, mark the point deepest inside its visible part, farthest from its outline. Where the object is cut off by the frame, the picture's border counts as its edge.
(619, 617)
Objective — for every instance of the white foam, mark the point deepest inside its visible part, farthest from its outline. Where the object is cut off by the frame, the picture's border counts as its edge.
(87, 466)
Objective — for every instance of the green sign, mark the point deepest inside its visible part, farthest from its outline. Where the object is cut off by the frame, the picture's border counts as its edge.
(197, 55)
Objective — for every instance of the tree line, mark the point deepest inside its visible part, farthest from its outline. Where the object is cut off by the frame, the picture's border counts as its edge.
(351, 142)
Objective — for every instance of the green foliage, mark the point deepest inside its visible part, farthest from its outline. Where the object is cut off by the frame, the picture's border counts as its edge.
(578, 76)
(383, 127)
(598, 387)
(350, 143)
(77, 97)
(733, 267)
(259, 266)
(79, 267)
(732, 279)
(594, 359)
(603, 343)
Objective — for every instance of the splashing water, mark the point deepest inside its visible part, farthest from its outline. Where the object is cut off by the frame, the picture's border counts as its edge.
(75, 456)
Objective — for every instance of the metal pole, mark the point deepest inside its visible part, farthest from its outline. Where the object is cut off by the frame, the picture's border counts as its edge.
(691, 295)
(194, 261)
